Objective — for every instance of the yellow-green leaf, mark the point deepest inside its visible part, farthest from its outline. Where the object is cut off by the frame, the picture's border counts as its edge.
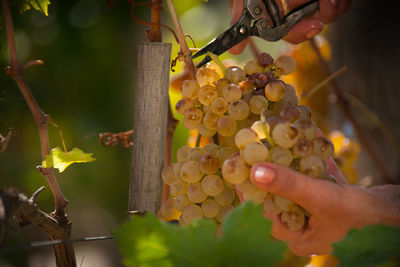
(61, 160)
(40, 5)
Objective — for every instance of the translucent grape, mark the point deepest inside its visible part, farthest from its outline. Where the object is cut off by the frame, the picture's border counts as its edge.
(190, 172)
(235, 74)
(261, 129)
(219, 105)
(244, 137)
(220, 84)
(209, 164)
(283, 204)
(252, 67)
(204, 131)
(246, 187)
(258, 103)
(183, 105)
(210, 208)
(226, 126)
(210, 120)
(269, 205)
(207, 94)
(168, 211)
(212, 185)
(238, 109)
(322, 147)
(285, 134)
(206, 76)
(235, 170)
(275, 90)
(224, 153)
(226, 197)
(232, 92)
(182, 154)
(312, 165)
(247, 87)
(303, 147)
(293, 219)
(196, 153)
(281, 156)
(190, 89)
(255, 152)
(307, 128)
(167, 174)
(178, 187)
(191, 213)
(192, 118)
(257, 196)
(181, 202)
(285, 64)
(195, 193)
(291, 113)
(223, 212)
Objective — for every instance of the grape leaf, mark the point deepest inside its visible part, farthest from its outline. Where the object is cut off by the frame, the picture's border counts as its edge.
(61, 160)
(40, 5)
(375, 245)
(146, 241)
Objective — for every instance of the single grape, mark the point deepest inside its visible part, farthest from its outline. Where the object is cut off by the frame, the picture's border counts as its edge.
(293, 219)
(196, 153)
(285, 64)
(312, 165)
(244, 137)
(220, 84)
(322, 147)
(232, 92)
(247, 87)
(191, 213)
(210, 120)
(210, 208)
(178, 187)
(181, 202)
(235, 74)
(252, 67)
(226, 126)
(207, 94)
(209, 164)
(238, 109)
(246, 187)
(282, 203)
(270, 206)
(235, 170)
(219, 105)
(206, 76)
(190, 172)
(226, 197)
(281, 156)
(224, 153)
(303, 147)
(275, 90)
(212, 185)
(190, 89)
(195, 193)
(261, 129)
(307, 128)
(285, 134)
(204, 131)
(265, 59)
(258, 103)
(192, 118)
(257, 196)
(183, 105)
(167, 174)
(255, 152)
(182, 154)
(168, 211)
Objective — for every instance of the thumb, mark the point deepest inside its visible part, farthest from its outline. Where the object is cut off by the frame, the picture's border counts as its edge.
(310, 193)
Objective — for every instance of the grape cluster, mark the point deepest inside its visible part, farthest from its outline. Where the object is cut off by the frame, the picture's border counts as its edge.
(256, 118)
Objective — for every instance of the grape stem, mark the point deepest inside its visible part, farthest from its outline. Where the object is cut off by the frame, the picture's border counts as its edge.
(343, 103)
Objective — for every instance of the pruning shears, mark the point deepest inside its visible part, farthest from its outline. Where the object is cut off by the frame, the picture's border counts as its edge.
(253, 22)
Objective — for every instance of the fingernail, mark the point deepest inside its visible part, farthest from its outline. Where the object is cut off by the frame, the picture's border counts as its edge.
(335, 3)
(264, 175)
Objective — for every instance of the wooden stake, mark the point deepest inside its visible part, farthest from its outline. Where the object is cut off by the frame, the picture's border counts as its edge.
(150, 124)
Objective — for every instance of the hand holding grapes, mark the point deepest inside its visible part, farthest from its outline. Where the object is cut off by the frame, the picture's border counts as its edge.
(334, 208)
(328, 12)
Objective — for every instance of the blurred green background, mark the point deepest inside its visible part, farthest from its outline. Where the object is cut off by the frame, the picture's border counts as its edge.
(86, 85)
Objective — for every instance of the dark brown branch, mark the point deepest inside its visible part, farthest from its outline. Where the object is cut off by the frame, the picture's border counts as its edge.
(155, 29)
(344, 105)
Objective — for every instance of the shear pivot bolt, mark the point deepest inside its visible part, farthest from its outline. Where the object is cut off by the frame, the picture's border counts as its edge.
(243, 30)
(263, 25)
(257, 11)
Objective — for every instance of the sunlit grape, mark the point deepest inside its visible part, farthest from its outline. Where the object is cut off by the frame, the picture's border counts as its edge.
(244, 137)
(219, 105)
(210, 208)
(168, 211)
(255, 152)
(252, 67)
(212, 185)
(285, 134)
(238, 109)
(192, 118)
(257, 197)
(232, 92)
(226, 126)
(281, 156)
(181, 202)
(210, 120)
(220, 84)
(261, 129)
(182, 154)
(293, 219)
(226, 197)
(206, 76)
(167, 174)
(191, 213)
(178, 187)
(207, 94)
(195, 193)
(189, 89)
(312, 165)
(235, 74)
(235, 170)
(190, 172)
(257, 103)
(275, 90)
(183, 105)
(204, 131)
(209, 164)
(285, 64)
(196, 153)
(322, 147)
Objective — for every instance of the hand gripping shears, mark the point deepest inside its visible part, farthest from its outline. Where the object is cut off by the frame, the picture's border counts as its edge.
(254, 23)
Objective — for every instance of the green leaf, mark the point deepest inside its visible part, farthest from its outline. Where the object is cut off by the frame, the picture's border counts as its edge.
(376, 245)
(146, 241)
(61, 160)
(40, 5)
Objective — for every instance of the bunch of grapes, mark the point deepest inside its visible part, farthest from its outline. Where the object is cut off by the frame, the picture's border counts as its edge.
(255, 117)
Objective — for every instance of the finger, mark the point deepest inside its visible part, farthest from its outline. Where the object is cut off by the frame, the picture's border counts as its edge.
(312, 194)
(237, 12)
(237, 49)
(334, 170)
(302, 250)
(328, 10)
(280, 231)
(304, 30)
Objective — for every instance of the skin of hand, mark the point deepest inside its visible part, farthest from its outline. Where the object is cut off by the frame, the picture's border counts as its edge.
(328, 12)
(334, 208)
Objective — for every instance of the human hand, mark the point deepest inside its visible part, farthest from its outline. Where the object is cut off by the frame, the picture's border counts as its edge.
(328, 12)
(334, 208)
